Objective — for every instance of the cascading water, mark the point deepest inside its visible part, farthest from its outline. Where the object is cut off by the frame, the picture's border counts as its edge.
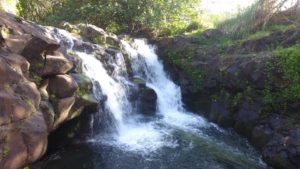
(173, 138)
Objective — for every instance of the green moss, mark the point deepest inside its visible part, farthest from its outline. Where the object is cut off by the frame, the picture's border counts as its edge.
(138, 81)
(36, 78)
(289, 59)
(290, 122)
(101, 40)
(284, 73)
(183, 58)
(84, 89)
(5, 149)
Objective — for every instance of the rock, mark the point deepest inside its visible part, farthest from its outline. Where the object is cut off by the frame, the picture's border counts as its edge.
(17, 43)
(12, 70)
(221, 115)
(56, 64)
(37, 48)
(231, 86)
(112, 40)
(85, 100)
(286, 39)
(48, 113)
(261, 135)
(62, 86)
(35, 135)
(15, 151)
(212, 33)
(294, 146)
(90, 31)
(84, 103)
(247, 117)
(36, 94)
(147, 101)
(275, 153)
(139, 82)
(63, 110)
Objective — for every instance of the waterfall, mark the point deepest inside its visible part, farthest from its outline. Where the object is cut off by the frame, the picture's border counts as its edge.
(171, 129)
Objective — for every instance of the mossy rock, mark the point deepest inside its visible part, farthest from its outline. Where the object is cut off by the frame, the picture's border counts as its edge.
(85, 85)
(139, 82)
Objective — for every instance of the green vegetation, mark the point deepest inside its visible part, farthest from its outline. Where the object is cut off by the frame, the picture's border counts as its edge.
(264, 15)
(289, 59)
(183, 58)
(116, 16)
(5, 149)
(283, 72)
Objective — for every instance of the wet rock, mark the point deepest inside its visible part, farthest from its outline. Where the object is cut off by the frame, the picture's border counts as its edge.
(242, 74)
(139, 82)
(220, 114)
(85, 100)
(276, 154)
(247, 117)
(147, 101)
(144, 97)
(261, 135)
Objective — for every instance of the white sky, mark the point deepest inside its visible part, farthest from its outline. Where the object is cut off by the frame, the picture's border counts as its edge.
(224, 6)
(229, 6)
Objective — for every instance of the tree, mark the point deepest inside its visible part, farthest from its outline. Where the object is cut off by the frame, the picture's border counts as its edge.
(115, 15)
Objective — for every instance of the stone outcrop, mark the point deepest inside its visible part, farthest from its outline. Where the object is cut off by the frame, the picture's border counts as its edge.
(144, 97)
(93, 34)
(230, 88)
(37, 92)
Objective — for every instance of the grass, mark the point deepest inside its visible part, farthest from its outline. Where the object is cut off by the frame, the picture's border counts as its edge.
(283, 72)
(289, 59)
(183, 59)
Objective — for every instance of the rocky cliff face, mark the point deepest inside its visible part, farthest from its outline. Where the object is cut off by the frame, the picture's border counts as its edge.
(39, 90)
(232, 87)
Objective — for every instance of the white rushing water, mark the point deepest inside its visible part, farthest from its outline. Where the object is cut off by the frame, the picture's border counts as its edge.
(133, 133)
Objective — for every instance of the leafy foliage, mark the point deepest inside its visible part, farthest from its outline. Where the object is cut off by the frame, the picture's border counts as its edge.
(171, 16)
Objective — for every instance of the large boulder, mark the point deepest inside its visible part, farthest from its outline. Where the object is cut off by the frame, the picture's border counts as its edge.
(237, 86)
(23, 130)
(144, 97)
(36, 93)
(147, 101)
(56, 63)
(62, 86)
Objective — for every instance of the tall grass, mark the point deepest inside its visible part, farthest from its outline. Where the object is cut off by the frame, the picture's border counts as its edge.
(259, 16)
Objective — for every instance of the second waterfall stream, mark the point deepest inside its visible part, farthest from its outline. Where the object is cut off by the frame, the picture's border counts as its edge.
(173, 138)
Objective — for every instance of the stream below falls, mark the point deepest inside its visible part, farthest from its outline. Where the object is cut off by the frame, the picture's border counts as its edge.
(120, 137)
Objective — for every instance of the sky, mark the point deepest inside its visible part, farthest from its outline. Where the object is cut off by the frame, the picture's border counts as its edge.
(230, 6)
(224, 6)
